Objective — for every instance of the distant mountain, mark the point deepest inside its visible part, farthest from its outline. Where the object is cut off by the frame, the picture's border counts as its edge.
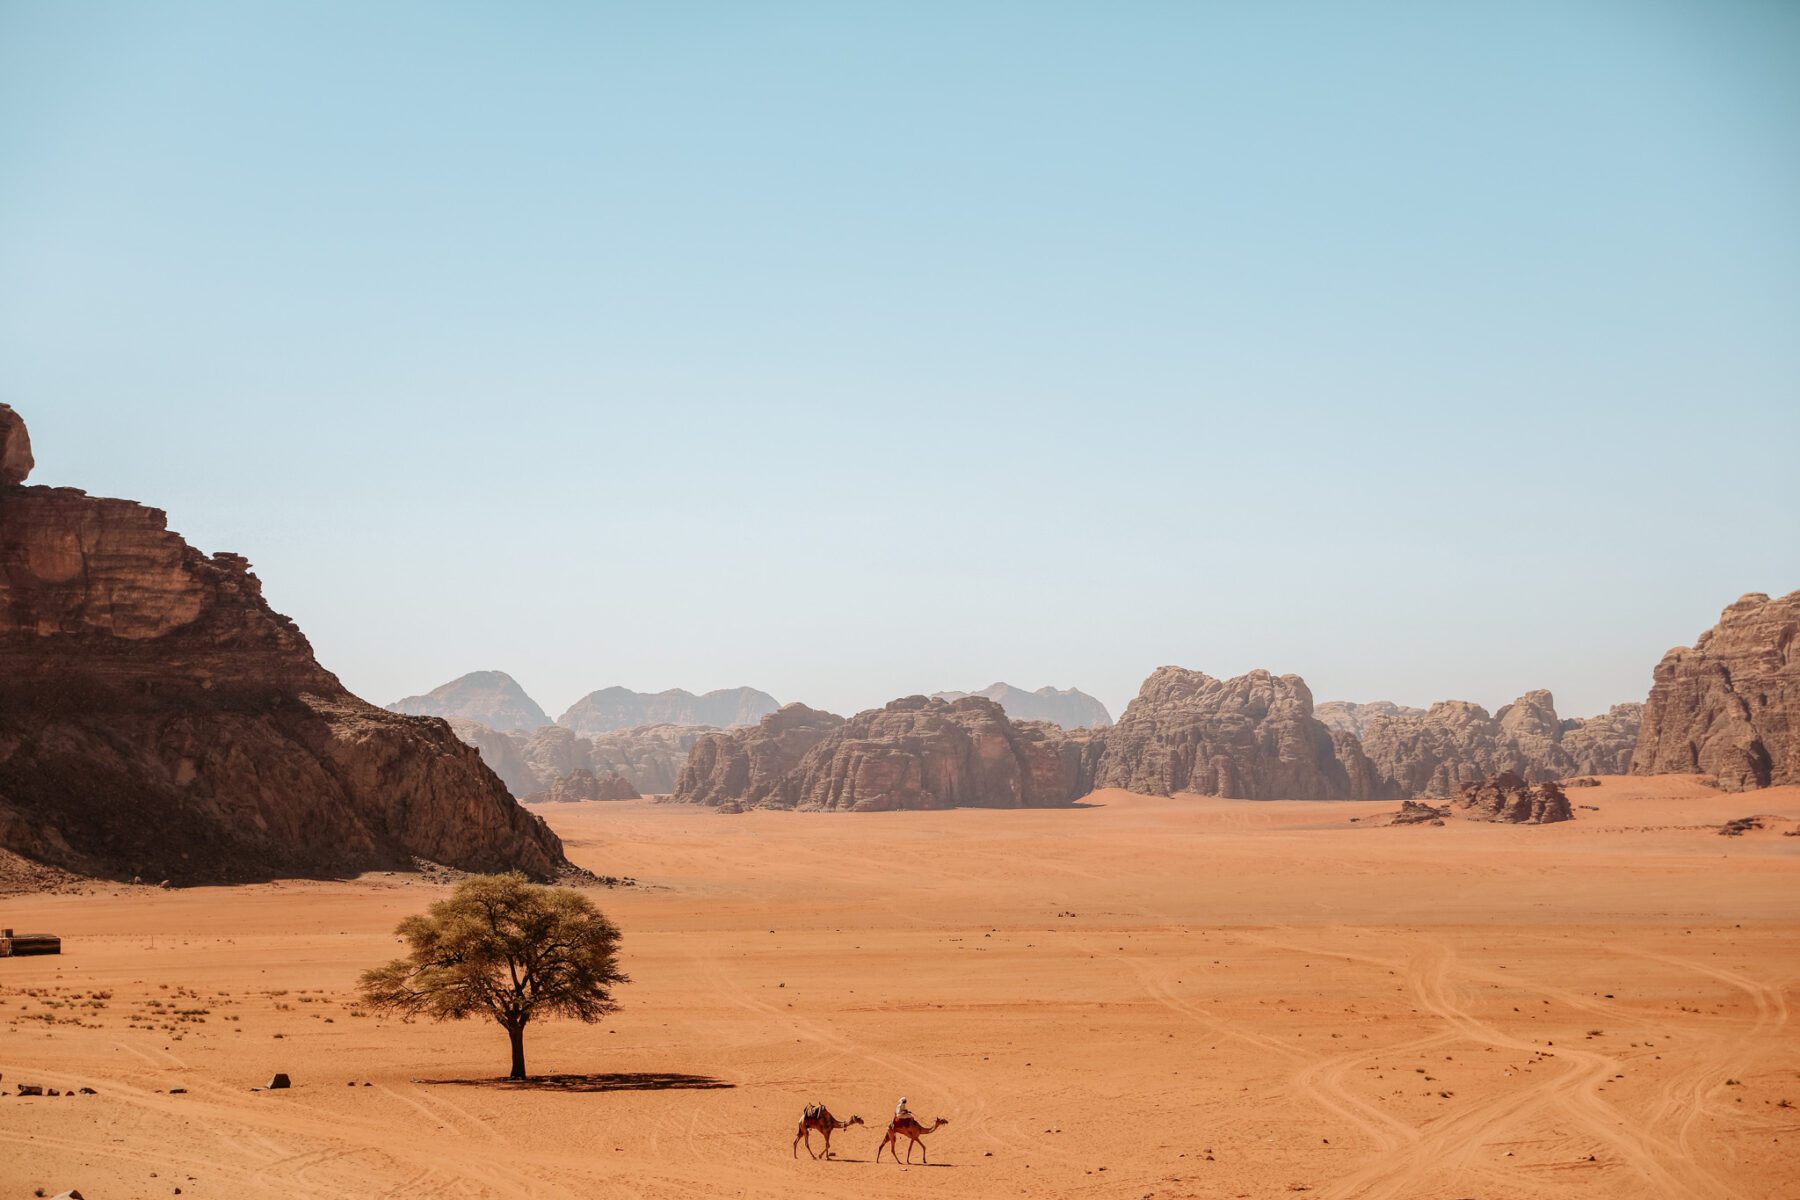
(620, 708)
(490, 698)
(1068, 707)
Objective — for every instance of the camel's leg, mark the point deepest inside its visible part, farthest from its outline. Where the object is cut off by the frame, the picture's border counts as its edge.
(911, 1141)
(827, 1154)
(924, 1157)
(797, 1134)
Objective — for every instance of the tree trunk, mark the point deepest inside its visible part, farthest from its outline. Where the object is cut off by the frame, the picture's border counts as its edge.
(517, 1034)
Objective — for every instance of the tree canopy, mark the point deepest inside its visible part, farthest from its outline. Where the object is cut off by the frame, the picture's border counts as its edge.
(503, 946)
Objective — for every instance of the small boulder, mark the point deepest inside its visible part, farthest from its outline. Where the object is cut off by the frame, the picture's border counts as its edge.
(30, 1089)
(279, 1080)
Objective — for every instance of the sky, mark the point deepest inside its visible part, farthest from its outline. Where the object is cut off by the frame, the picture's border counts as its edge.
(852, 351)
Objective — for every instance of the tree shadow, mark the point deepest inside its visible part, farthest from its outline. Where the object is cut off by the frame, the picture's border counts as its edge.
(626, 1081)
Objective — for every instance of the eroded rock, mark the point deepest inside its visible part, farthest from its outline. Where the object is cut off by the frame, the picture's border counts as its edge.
(1730, 706)
(158, 718)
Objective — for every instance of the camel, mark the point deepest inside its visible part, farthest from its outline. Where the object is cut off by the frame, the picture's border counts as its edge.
(909, 1128)
(817, 1116)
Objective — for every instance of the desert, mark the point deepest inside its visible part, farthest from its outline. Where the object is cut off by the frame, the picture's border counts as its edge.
(1186, 997)
(686, 601)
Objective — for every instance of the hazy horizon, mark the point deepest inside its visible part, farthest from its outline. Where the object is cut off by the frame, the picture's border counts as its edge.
(1425, 354)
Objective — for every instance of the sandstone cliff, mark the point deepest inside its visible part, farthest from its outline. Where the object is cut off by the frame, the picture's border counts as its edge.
(649, 759)
(1251, 738)
(1602, 745)
(583, 784)
(1730, 706)
(502, 752)
(158, 718)
(915, 753)
(490, 698)
(753, 766)
(919, 753)
(616, 708)
(1455, 742)
(1067, 707)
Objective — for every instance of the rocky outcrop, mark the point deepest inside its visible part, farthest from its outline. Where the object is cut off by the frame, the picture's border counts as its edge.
(1456, 742)
(502, 752)
(490, 698)
(1067, 707)
(620, 708)
(1347, 716)
(583, 784)
(1250, 738)
(158, 718)
(915, 753)
(1507, 798)
(1602, 745)
(920, 753)
(649, 759)
(15, 448)
(1413, 813)
(1730, 706)
(754, 766)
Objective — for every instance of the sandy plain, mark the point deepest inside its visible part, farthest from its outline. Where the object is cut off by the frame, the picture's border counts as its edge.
(1140, 998)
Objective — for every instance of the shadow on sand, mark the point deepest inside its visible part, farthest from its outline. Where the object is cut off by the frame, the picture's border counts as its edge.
(635, 1081)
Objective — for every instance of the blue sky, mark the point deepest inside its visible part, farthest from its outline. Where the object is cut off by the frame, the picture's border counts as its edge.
(855, 350)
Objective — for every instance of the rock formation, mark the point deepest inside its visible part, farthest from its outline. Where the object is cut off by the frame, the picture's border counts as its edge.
(1602, 745)
(648, 759)
(1730, 706)
(620, 708)
(915, 753)
(583, 784)
(753, 766)
(651, 757)
(158, 718)
(1347, 716)
(1067, 707)
(1251, 738)
(502, 752)
(490, 698)
(15, 448)
(1508, 798)
(919, 753)
(1453, 743)
(1413, 813)
(1456, 742)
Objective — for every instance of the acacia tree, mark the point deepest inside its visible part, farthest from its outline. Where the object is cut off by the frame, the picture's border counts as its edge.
(507, 947)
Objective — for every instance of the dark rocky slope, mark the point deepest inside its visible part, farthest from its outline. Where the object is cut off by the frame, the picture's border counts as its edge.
(158, 718)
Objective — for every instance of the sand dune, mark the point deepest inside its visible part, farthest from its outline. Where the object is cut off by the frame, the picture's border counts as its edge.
(1145, 997)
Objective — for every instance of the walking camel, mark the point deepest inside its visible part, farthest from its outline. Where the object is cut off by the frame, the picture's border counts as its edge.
(909, 1128)
(817, 1116)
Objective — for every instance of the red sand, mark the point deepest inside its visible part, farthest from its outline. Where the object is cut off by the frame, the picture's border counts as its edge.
(1148, 997)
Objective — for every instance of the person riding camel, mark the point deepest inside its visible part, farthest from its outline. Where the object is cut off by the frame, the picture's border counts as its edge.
(901, 1112)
